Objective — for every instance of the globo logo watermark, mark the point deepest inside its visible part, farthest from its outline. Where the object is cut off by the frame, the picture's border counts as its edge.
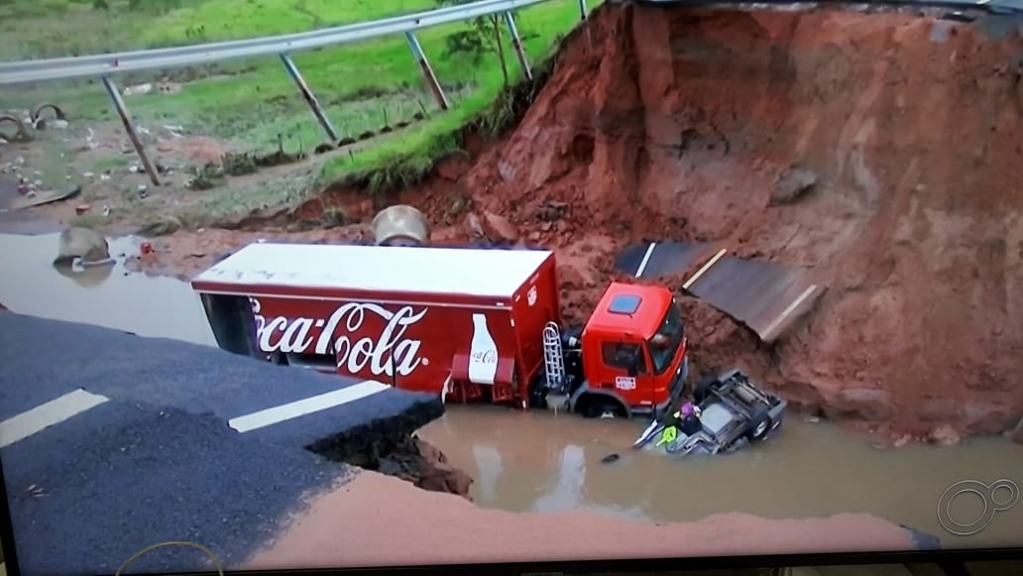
(999, 496)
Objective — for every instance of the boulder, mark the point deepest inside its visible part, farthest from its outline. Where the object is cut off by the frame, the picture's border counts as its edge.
(83, 243)
(499, 229)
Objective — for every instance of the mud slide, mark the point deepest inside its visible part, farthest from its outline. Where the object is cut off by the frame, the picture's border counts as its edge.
(691, 124)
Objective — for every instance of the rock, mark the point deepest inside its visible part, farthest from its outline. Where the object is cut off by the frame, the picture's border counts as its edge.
(498, 228)
(2, 307)
(449, 235)
(1017, 434)
(944, 435)
(795, 183)
(437, 475)
(902, 441)
(83, 243)
(474, 227)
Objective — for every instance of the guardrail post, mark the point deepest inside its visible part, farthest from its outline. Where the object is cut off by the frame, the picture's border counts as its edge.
(310, 98)
(582, 10)
(428, 75)
(520, 50)
(122, 111)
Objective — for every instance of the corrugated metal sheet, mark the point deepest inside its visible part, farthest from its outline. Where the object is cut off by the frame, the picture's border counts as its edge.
(653, 259)
(765, 296)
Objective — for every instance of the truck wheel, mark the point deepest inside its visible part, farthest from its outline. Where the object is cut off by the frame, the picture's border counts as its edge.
(758, 427)
(703, 387)
(601, 408)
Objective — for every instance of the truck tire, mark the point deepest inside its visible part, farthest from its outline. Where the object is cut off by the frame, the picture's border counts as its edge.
(594, 406)
(703, 388)
(758, 427)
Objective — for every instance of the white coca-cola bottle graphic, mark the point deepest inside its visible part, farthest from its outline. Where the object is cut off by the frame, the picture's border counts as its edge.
(482, 352)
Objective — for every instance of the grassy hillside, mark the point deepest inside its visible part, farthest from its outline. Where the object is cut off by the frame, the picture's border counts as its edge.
(254, 101)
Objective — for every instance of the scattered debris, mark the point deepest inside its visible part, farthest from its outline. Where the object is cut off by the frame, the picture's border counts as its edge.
(33, 198)
(137, 89)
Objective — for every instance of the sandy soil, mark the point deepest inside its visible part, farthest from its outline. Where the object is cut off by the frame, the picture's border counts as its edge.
(432, 529)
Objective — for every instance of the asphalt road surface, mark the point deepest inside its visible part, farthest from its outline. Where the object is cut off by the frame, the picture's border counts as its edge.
(112, 442)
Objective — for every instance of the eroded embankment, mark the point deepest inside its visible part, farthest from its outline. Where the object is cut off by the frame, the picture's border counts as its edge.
(388, 446)
(678, 123)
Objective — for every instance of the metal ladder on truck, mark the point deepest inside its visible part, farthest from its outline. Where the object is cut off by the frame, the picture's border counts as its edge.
(553, 358)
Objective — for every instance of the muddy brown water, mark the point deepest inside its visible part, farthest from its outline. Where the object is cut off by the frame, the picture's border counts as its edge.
(544, 462)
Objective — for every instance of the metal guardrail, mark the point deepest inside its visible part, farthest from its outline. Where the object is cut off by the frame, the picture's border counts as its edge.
(70, 68)
(105, 65)
(93, 59)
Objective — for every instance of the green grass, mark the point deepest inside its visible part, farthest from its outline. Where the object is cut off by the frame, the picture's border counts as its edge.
(254, 103)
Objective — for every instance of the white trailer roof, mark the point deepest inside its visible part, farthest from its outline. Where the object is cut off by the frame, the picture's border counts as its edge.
(428, 270)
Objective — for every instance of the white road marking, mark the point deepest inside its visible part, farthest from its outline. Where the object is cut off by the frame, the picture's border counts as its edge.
(291, 410)
(43, 416)
(646, 258)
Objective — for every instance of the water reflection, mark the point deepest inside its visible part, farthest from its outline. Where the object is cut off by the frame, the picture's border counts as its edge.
(90, 277)
(113, 298)
(546, 463)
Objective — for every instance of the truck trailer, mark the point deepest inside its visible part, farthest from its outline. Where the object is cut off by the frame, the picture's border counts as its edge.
(469, 324)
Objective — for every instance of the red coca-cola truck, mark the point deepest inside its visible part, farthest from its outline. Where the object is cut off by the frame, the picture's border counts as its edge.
(471, 324)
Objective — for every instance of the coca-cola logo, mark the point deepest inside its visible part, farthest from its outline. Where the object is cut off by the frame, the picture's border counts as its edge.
(484, 357)
(342, 335)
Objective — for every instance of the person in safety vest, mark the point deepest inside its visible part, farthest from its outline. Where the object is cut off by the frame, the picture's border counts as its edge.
(686, 419)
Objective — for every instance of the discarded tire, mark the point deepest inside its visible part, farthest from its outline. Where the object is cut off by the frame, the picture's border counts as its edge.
(37, 112)
(20, 134)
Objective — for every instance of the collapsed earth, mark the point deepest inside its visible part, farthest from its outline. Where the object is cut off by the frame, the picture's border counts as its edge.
(868, 158)
(840, 142)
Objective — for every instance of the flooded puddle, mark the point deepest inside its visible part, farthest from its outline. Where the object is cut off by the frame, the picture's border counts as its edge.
(541, 462)
(105, 296)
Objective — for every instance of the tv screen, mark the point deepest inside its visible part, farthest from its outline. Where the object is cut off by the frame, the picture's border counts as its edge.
(544, 282)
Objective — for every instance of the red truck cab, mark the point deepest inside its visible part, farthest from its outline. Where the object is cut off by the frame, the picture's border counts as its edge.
(634, 353)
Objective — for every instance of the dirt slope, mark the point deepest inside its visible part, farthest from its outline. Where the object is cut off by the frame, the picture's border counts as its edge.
(678, 123)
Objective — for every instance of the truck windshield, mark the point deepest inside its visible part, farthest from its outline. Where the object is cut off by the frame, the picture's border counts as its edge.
(664, 344)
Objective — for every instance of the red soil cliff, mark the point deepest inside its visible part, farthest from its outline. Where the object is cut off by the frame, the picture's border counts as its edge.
(679, 123)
